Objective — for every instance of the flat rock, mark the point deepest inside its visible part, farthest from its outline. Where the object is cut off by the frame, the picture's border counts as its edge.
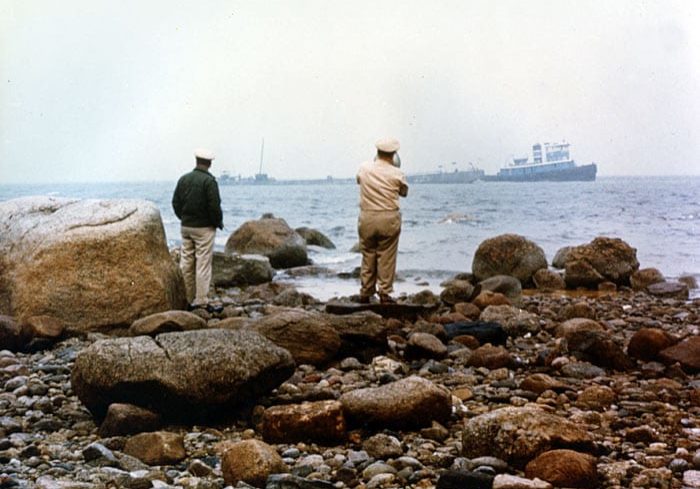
(166, 322)
(127, 419)
(674, 290)
(192, 374)
(507, 481)
(515, 321)
(410, 402)
(400, 310)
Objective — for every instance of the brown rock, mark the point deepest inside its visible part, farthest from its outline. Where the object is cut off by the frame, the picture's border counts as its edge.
(467, 340)
(589, 338)
(572, 328)
(382, 446)
(425, 345)
(646, 343)
(564, 468)
(641, 434)
(506, 285)
(157, 448)
(689, 280)
(410, 402)
(317, 421)
(452, 317)
(488, 298)
(127, 419)
(545, 279)
(468, 310)
(120, 243)
(165, 322)
(251, 461)
(577, 310)
(602, 259)
(645, 277)
(491, 357)
(508, 254)
(538, 383)
(518, 434)
(597, 397)
(308, 336)
(687, 353)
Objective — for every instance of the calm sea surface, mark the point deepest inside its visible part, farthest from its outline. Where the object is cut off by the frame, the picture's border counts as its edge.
(444, 224)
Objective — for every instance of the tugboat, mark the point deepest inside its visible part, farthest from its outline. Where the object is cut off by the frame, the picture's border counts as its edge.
(550, 162)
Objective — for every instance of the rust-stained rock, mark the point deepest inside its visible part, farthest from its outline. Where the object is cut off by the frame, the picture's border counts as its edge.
(508, 254)
(251, 461)
(646, 343)
(317, 421)
(564, 468)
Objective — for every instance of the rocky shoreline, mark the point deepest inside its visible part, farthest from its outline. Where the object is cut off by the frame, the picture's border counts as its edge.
(643, 423)
(589, 377)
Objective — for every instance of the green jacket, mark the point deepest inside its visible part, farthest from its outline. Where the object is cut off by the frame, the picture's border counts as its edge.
(196, 200)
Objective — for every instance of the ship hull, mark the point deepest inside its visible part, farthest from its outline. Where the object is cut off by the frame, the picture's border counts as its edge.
(583, 173)
(447, 177)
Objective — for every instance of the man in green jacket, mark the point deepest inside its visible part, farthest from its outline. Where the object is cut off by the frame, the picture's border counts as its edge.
(197, 204)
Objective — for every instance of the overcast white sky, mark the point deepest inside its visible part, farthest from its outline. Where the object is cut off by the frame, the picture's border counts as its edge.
(95, 90)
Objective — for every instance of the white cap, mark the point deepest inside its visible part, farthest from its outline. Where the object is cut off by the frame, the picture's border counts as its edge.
(387, 145)
(203, 154)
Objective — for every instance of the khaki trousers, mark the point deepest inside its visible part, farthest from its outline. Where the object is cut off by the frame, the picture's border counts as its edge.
(379, 242)
(195, 262)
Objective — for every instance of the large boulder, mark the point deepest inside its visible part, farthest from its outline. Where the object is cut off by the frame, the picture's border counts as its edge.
(508, 254)
(190, 375)
(272, 237)
(410, 402)
(519, 434)
(603, 259)
(240, 270)
(93, 264)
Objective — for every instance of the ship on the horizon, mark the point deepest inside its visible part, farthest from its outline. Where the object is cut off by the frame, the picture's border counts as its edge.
(455, 176)
(550, 162)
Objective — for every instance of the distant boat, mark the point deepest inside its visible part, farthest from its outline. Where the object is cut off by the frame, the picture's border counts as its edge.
(260, 178)
(550, 162)
(454, 176)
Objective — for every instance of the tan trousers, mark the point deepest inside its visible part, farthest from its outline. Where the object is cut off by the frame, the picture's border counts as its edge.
(379, 242)
(195, 262)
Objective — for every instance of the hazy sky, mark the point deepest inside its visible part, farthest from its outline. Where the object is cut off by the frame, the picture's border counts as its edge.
(100, 90)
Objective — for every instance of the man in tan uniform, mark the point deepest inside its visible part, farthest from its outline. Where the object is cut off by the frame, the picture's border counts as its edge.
(379, 225)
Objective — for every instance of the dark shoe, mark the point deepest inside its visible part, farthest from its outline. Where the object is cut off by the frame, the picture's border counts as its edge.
(386, 299)
(215, 309)
(364, 299)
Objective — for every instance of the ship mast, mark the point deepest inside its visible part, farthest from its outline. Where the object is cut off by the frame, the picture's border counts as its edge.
(262, 151)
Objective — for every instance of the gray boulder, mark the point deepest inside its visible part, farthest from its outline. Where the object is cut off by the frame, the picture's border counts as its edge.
(508, 254)
(232, 270)
(92, 264)
(272, 237)
(184, 375)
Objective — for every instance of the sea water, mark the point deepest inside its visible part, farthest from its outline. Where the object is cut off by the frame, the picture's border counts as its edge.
(443, 224)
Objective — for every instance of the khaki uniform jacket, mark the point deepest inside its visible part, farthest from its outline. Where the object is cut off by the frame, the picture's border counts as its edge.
(381, 184)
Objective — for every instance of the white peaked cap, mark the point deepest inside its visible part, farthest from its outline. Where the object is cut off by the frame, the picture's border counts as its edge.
(387, 145)
(204, 154)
